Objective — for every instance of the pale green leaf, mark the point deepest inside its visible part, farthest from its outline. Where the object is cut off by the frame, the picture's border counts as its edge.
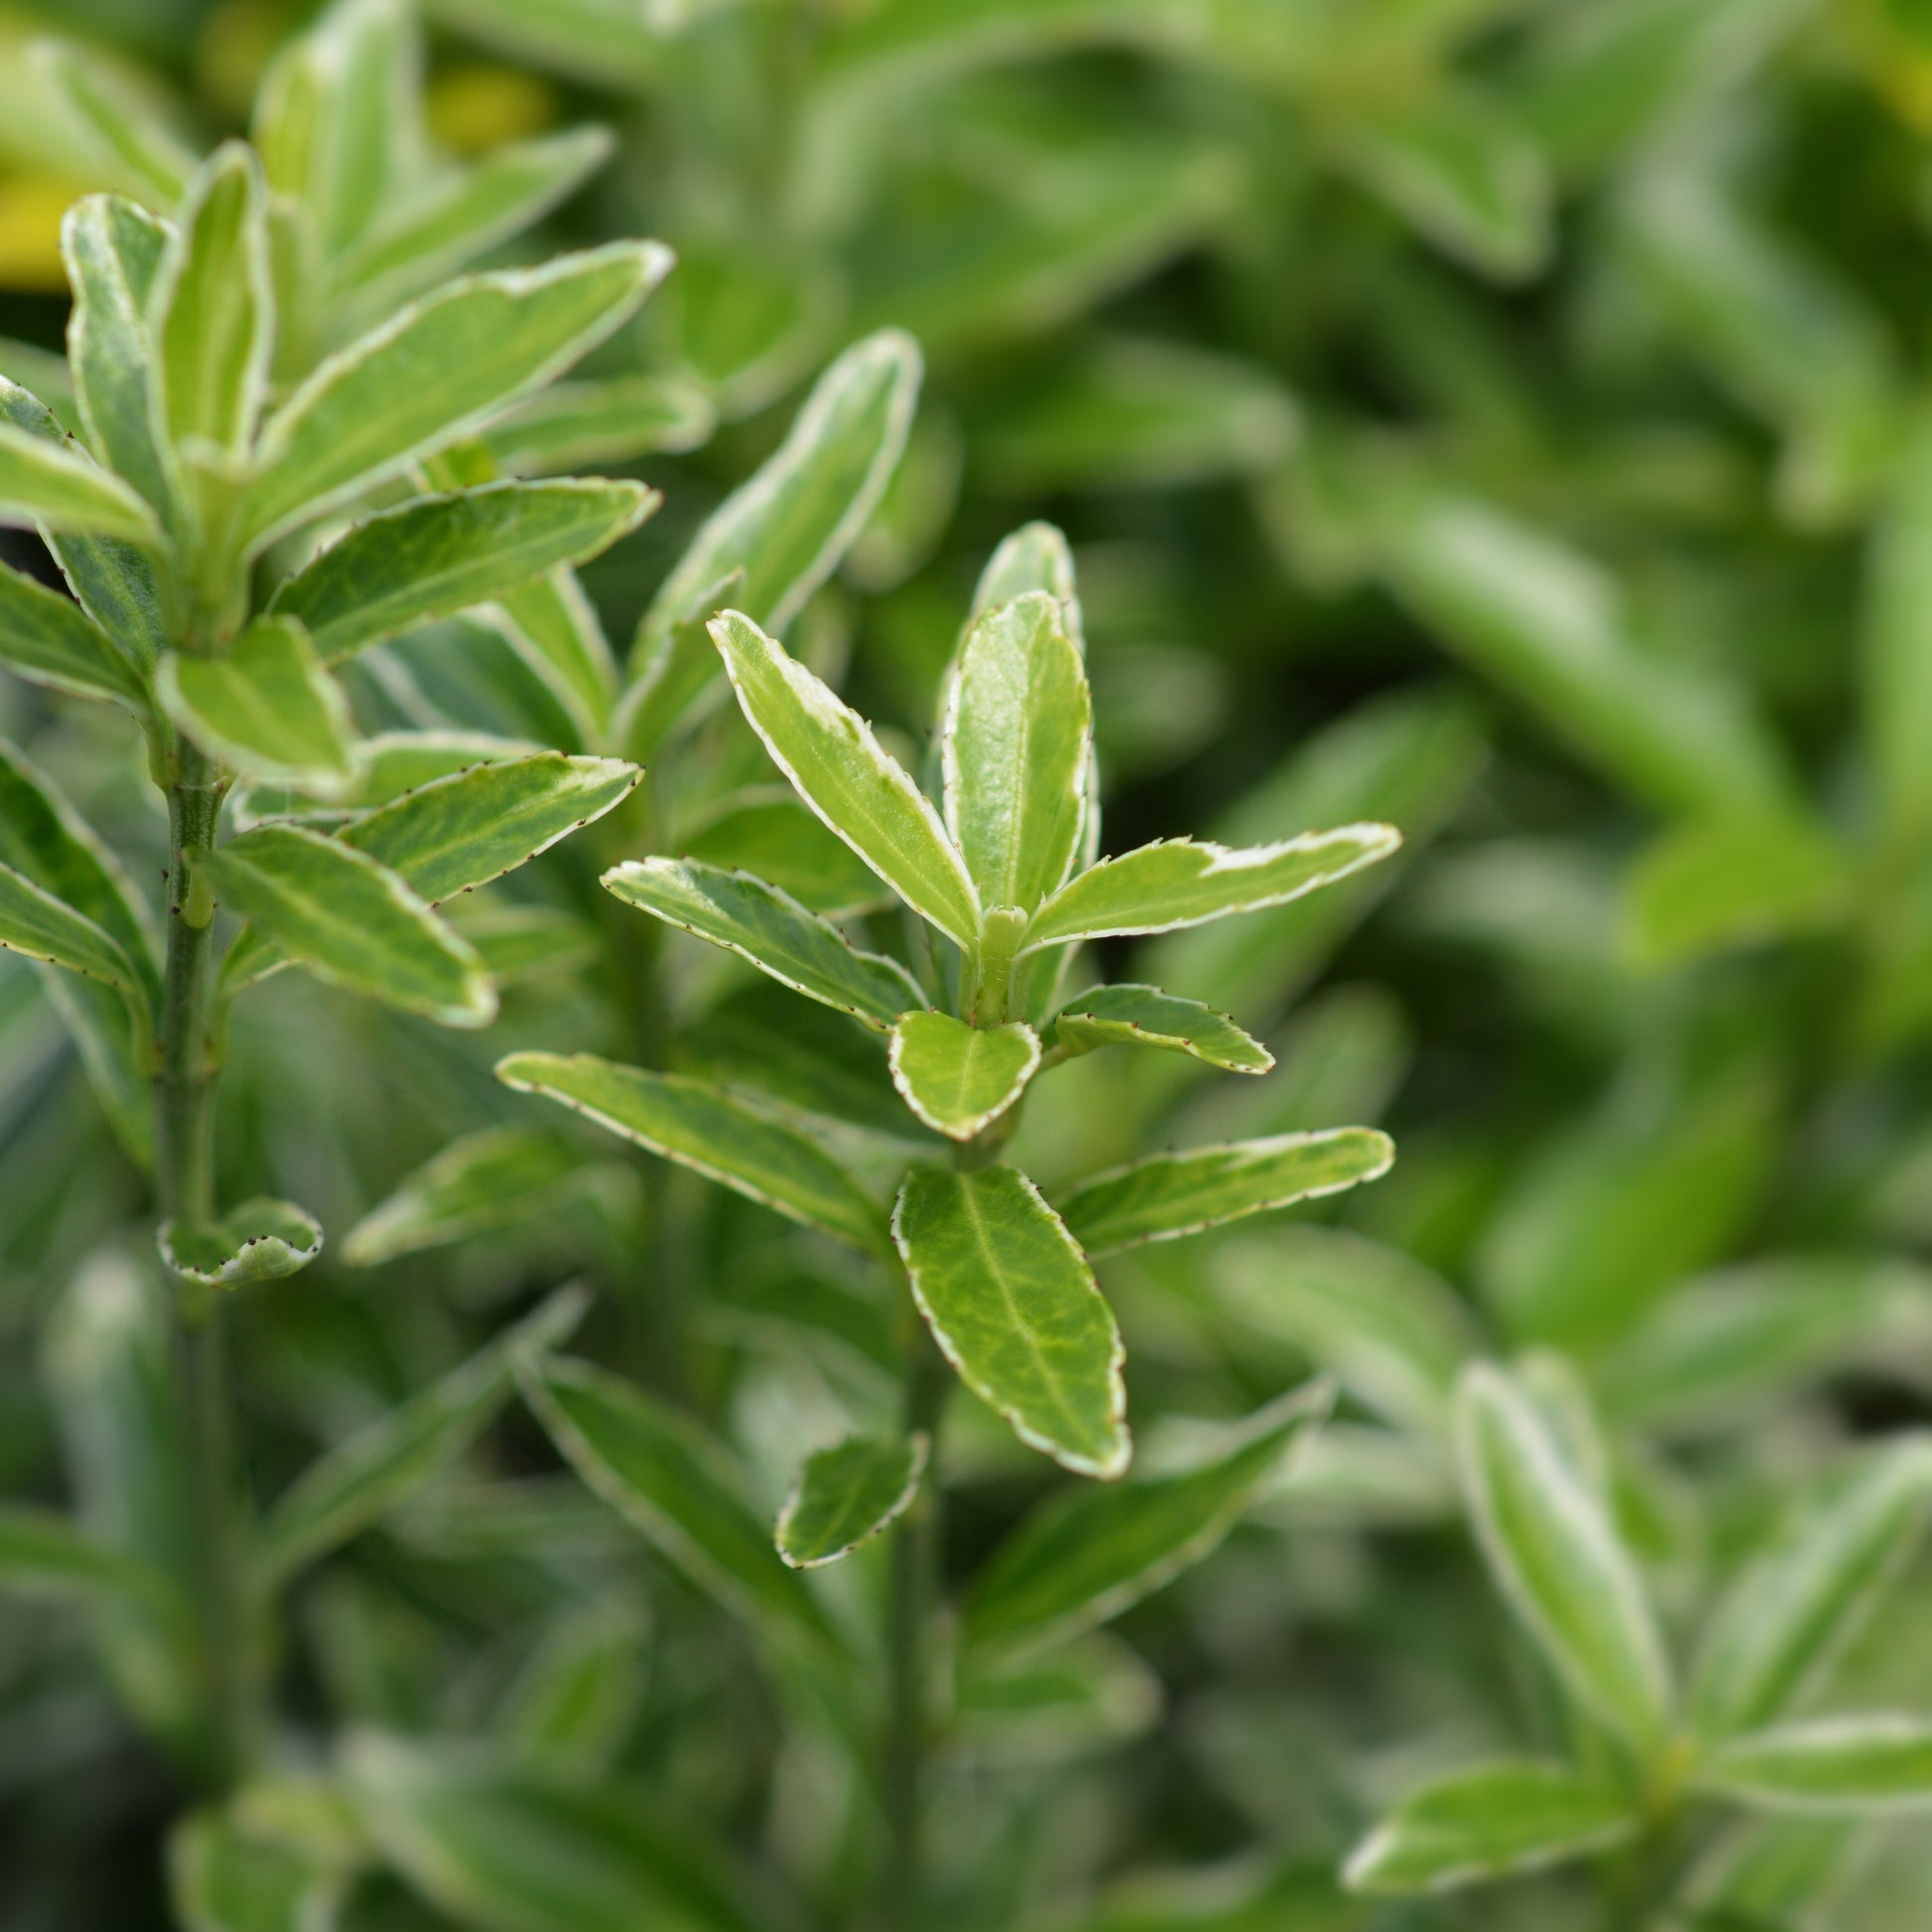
(600, 419)
(506, 1849)
(47, 638)
(438, 555)
(268, 709)
(1015, 750)
(1896, 641)
(773, 835)
(1128, 1015)
(41, 1554)
(465, 213)
(959, 1079)
(604, 43)
(658, 1470)
(838, 767)
(846, 1495)
(391, 763)
(786, 528)
(1492, 1821)
(114, 252)
(1087, 1555)
(437, 370)
(115, 124)
(1721, 883)
(554, 629)
(37, 925)
(723, 1137)
(771, 930)
(1032, 1709)
(490, 1180)
(54, 485)
(1014, 1306)
(1185, 881)
(211, 313)
(260, 1241)
(361, 1479)
(1556, 1557)
(1809, 1589)
(1392, 1331)
(574, 1702)
(224, 1879)
(1036, 557)
(1859, 1765)
(1166, 1195)
(350, 922)
(456, 833)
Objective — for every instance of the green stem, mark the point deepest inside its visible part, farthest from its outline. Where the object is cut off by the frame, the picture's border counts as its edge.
(185, 1181)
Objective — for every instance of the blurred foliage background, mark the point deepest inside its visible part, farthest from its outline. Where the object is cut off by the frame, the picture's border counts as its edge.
(1503, 417)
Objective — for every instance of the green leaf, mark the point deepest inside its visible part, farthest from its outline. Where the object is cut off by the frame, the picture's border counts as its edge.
(1015, 746)
(1552, 628)
(846, 1495)
(360, 1480)
(659, 1471)
(774, 836)
(1143, 1016)
(773, 931)
(1034, 1709)
(1035, 557)
(1557, 1560)
(1826, 1764)
(554, 630)
(785, 530)
(260, 1241)
(34, 923)
(493, 1178)
(1456, 168)
(1184, 882)
(1089, 1553)
(46, 1554)
(723, 1137)
(573, 1704)
(54, 485)
(1809, 1589)
(49, 639)
(439, 555)
(268, 710)
(224, 1879)
(1166, 1195)
(1014, 1306)
(1392, 1332)
(1897, 646)
(350, 922)
(113, 253)
(599, 419)
(1492, 1821)
(958, 1078)
(122, 136)
(465, 213)
(437, 370)
(831, 756)
(211, 313)
(454, 834)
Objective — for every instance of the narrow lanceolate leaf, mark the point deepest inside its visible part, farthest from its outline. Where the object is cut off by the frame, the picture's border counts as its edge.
(49, 639)
(701, 1126)
(589, 422)
(773, 835)
(554, 629)
(268, 710)
(958, 1078)
(1035, 557)
(1014, 1306)
(54, 485)
(1091, 1553)
(1809, 1590)
(785, 530)
(439, 555)
(1489, 1821)
(259, 1241)
(1830, 1764)
(1167, 1195)
(1186, 881)
(506, 1847)
(1014, 749)
(211, 313)
(493, 1178)
(350, 922)
(361, 1479)
(437, 370)
(35, 924)
(112, 248)
(48, 1555)
(1144, 1016)
(658, 1472)
(457, 833)
(773, 931)
(1556, 1557)
(125, 138)
(839, 769)
(224, 1879)
(845, 1495)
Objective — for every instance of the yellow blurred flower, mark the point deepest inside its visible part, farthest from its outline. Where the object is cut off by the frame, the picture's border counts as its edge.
(475, 106)
(31, 207)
